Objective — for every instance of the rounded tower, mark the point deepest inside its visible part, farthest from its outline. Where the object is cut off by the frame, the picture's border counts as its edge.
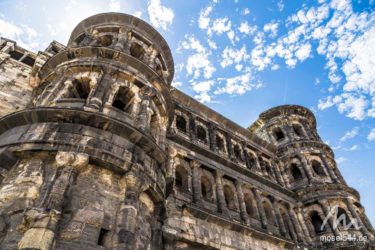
(87, 158)
(329, 206)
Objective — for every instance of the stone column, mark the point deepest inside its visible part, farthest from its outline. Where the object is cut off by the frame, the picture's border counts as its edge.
(277, 171)
(122, 38)
(262, 214)
(362, 227)
(98, 89)
(306, 167)
(292, 231)
(127, 219)
(241, 203)
(296, 224)
(329, 168)
(303, 220)
(197, 188)
(42, 222)
(222, 205)
(326, 211)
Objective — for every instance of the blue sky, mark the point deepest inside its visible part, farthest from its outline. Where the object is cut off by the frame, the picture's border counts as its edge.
(241, 57)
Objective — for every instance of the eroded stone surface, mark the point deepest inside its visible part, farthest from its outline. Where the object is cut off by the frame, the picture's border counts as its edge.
(98, 151)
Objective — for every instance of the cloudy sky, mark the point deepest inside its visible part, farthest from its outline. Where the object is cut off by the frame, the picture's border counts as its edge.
(241, 57)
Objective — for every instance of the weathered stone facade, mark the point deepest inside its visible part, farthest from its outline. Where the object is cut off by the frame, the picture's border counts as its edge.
(98, 151)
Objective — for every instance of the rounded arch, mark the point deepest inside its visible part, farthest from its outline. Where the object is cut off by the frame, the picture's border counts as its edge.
(230, 196)
(295, 172)
(250, 204)
(181, 123)
(220, 142)
(317, 222)
(251, 159)
(201, 133)
(298, 130)
(181, 178)
(268, 210)
(317, 166)
(207, 188)
(278, 134)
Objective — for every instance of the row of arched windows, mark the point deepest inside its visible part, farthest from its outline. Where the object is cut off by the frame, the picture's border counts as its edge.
(279, 135)
(238, 153)
(298, 172)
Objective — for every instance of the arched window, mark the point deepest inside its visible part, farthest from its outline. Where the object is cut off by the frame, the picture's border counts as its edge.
(269, 169)
(137, 51)
(298, 130)
(269, 214)
(181, 123)
(229, 197)
(249, 205)
(80, 89)
(123, 99)
(285, 219)
(181, 180)
(219, 143)
(279, 135)
(206, 187)
(201, 133)
(251, 161)
(318, 168)
(105, 40)
(237, 151)
(296, 173)
(316, 222)
(343, 218)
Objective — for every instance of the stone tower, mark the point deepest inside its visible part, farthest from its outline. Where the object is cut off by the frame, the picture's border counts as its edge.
(98, 151)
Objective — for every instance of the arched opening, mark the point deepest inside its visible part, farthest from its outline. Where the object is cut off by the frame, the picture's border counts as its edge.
(181, 179)
(250, 159)
(285, 219)
(237, 151)
(343, 219)
(80, 90)
(317, 222)
(206, 187)
(123, 100)
(181, 123)
(279, 135)
(269, 214)
(249, 205)
(296, 173)
(201, 133)
(105, 40)
(318, 168)
(137, 51)
(269, 169)
(229, 197)
(219, 143)
(298, 130)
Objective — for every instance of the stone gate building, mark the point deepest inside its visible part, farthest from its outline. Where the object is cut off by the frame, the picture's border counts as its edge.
(98, 151)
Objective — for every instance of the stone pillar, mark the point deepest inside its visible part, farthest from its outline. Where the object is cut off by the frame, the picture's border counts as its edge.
(127, 220)
(362, 227)
(296, 225)
(42, 222)
(122, 38)
(277, 171)
(262, 214)
(306, 167)
(303, 220)
(197, 188)
(241, 203)
(222, 205)
(329, 168)
(326, 211)
(292, 231)
(97, 90)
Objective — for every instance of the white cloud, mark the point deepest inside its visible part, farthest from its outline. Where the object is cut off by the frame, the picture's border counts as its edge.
(303, 52)
(350, 134)
(238, 85)
(24, 35)
(220, 25)
(246, 28)
(204, 20)
(233, 56)
(371, 135)
(176, 84)
(340, 160)
(245, 11)
(198, 63)
(114, 5)
(353, 148)
(160, 16)
(271, 28)
(203, 88)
